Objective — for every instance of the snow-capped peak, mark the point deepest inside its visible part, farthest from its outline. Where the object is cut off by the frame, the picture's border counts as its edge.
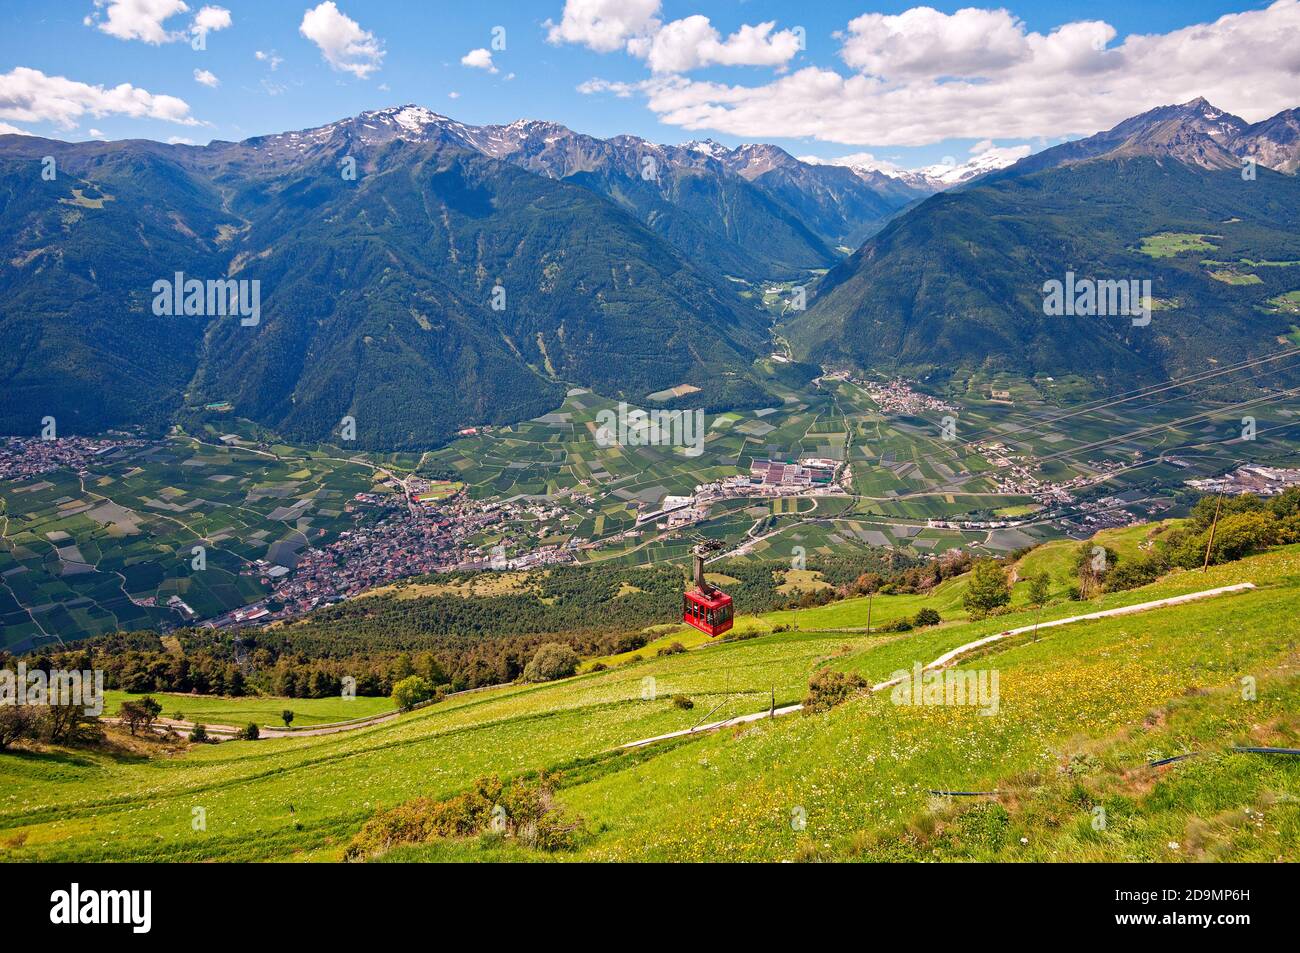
(708, 147)
(410, 117)
(932, 178)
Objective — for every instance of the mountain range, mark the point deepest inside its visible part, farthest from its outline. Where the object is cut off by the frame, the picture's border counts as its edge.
(956, 283)
(421, 275)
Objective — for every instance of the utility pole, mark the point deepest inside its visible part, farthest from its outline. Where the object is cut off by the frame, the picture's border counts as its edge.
(1213, 526)
(870, 593)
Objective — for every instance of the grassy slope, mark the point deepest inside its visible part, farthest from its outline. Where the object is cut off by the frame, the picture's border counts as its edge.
(263, 709)
(865, 766)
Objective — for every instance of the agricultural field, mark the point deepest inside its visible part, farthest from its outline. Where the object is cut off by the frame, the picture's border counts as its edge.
(1082, 710)
(108, 550)
(81, 555)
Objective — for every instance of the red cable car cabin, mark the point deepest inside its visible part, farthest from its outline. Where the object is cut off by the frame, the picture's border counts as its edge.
(706, 607)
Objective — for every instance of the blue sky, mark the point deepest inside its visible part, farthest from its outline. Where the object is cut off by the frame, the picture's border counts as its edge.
(884, 80)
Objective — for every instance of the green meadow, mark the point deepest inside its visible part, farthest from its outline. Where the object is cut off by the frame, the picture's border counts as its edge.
(1104, 696)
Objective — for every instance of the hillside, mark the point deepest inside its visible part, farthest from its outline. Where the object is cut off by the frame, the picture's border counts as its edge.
(1083, 708)
(957, 283)
(377, 294)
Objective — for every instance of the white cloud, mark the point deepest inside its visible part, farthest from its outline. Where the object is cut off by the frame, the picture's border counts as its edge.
(693, 42)
(144, 19)
(28, 95)
(95, 134)
(479, 59)
(675, 47)
(211, 19)
(604, 25)
(924, 42)
(925, 76)
(856, 160)
(8, 130)
(345, 46)
(207, 78)
(269, 58)
(621, 90)
(453, 95)
(179, 141)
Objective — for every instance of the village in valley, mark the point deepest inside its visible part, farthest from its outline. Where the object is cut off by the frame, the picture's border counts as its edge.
(845, 461)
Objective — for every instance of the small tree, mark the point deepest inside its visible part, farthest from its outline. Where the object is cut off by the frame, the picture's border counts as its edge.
(140, 713)
(1038, 587)
(988, 588)
(199, 734)
(287, 717)
(553, 660)
(410, 691)
(251, 732)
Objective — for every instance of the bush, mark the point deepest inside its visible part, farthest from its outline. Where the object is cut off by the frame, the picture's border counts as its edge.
(675, 649)
(828, 688)
(522, 809)
(411, 691)
(681, 701)
(287, 717)
(927, 617)
(1136, 572)
(1238, 535)
(250, 732)
(199, 734)
(624, 642)
(898, 625)
(599, 667)
(553, 660)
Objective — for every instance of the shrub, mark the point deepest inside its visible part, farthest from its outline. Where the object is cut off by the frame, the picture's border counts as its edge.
(287, 717)
(898, 625)
(553, 660)
(1237, 535)
(410, 691)
(681, 701)
(523, 809)
(1136, 572)
(199, 734)
(675, 649)
(599, 667)
(624, 642)
(828, 688)
(250, 732)
(926, 617)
